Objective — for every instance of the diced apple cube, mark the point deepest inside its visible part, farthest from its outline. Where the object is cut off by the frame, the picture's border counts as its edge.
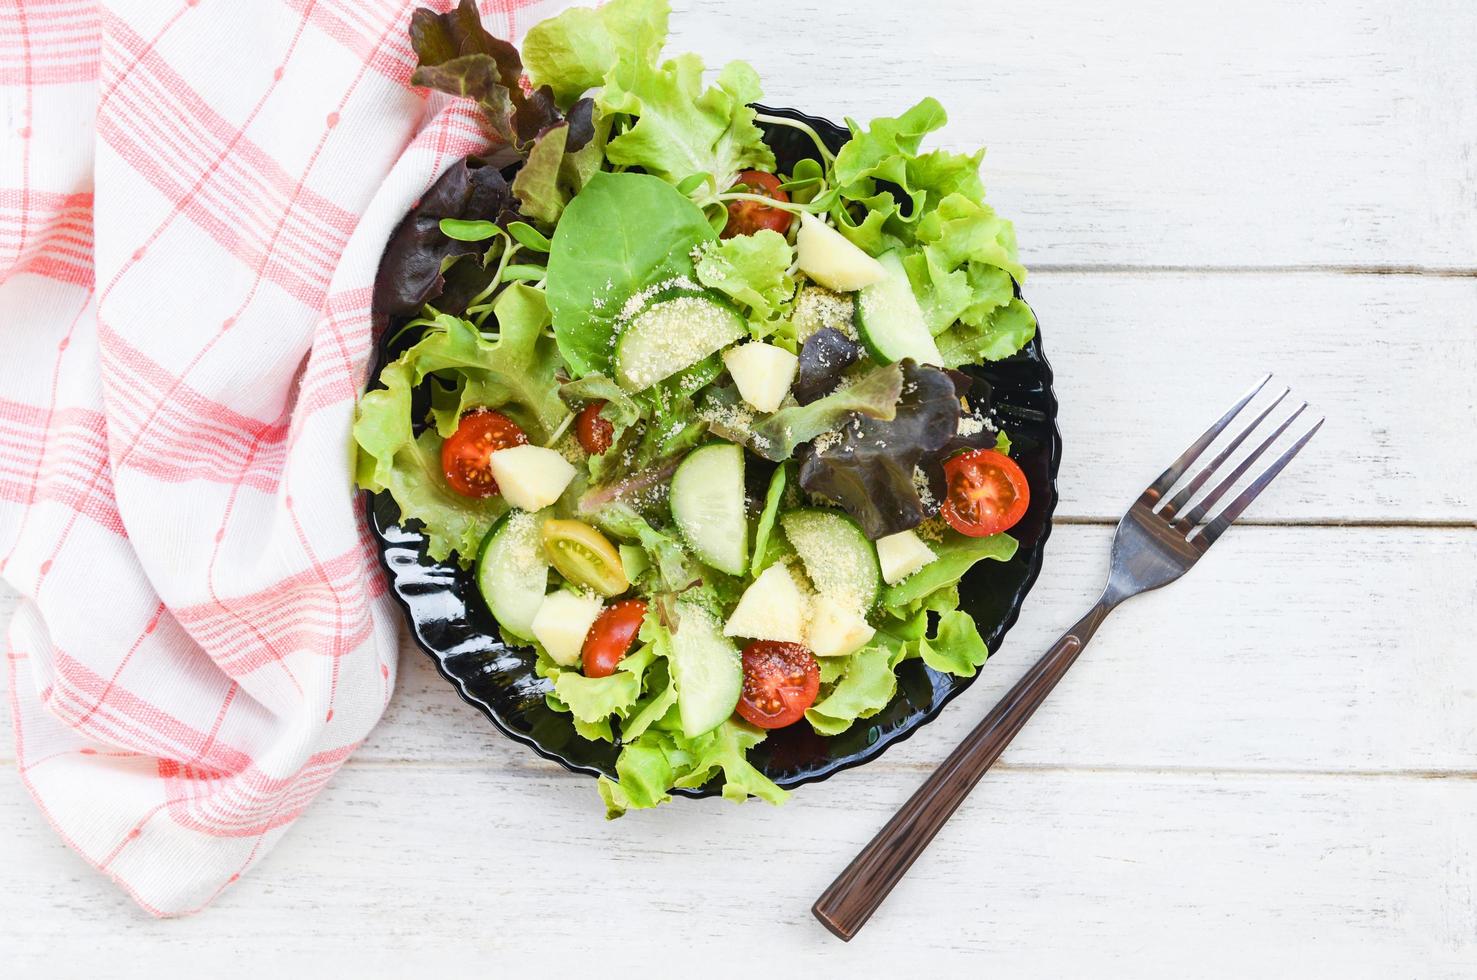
(530, 477)
(772, 608)
(827, 257)
(562, 622)
(836, 628)
(902, 554)
(763, 373)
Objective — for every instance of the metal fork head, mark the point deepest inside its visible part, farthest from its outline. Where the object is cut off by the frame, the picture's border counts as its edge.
(1162, 536)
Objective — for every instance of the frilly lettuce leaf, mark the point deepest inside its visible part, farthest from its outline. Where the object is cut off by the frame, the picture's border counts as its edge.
(1006, 331)
(455, 54)
(410, 270)
(561, 161)
(867, 683)
(956, 553)
(961, 229)
(392, 458)
(572, 52)
(956, 648)
(750, 268)
(514, 374)
(682, 129)
(645, 773)
(884, 157)
(725, 749)
(595, 699)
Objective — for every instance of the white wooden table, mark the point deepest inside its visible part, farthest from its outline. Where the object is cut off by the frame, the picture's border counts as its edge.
(1268, 769)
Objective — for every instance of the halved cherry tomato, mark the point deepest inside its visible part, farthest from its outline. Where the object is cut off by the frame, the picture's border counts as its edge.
(781, 680)
(747, 217)
(988, 493)
(594, 432)
(584, 556)
(611, 636)
(479, 434)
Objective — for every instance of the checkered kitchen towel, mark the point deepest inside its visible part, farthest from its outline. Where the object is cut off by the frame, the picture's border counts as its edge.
(193, 199)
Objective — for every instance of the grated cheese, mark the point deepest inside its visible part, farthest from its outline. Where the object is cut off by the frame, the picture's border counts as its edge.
(818, 308)
(970, 425)
(925, 493)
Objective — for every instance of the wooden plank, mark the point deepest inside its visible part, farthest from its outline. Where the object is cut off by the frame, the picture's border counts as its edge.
(1314, 649)
(1145, 363)
(1041, 874)
(1161, 133)
(1319, 649)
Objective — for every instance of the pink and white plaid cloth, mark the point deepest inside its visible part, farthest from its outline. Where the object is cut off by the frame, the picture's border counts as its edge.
(194, 195)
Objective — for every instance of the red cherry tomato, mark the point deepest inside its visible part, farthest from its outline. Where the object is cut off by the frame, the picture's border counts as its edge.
(781, 680)
(988, 493)
(464, 456)
(747, 217)
(611, 636)
(594, 432)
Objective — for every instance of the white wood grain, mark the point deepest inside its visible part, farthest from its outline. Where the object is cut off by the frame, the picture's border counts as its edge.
(1040, 874)
(1161, 132)
(1266, 770)
(1145, 362)
(1289, 648)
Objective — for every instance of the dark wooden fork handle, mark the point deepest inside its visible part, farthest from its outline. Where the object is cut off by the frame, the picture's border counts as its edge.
(856, 893)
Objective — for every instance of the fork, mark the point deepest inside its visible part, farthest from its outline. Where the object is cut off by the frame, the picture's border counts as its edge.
(1158, 540)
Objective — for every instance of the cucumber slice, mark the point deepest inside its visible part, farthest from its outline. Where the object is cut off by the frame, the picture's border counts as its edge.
(839, 559)
(889, 320)
(676, 331)
(708, 506)
(706, 669)
(512, 573)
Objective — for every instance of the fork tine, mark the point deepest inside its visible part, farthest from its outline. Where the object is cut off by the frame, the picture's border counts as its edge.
(1182, 499)
(1213, 497)
(1171, 476)
(1210, 532)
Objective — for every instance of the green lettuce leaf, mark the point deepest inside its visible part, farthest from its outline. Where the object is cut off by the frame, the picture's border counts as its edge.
(682, 129)
(773, 497)
(957, 647)
(962, 229)
(645, 774)
(514, 374)
(573, 51)
(884, 157)
(956, 553)
(751, 269)
(391, 458)
(874, 395)
(623, 233)
(595, 699)
(865, 687)
(673, 568)
(725, 749)
(560, 163)
(1007, 330)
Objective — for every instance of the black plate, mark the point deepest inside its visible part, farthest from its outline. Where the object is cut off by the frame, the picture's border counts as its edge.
(452, 625)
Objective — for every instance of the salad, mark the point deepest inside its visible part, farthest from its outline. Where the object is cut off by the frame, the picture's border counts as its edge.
(697, 425)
